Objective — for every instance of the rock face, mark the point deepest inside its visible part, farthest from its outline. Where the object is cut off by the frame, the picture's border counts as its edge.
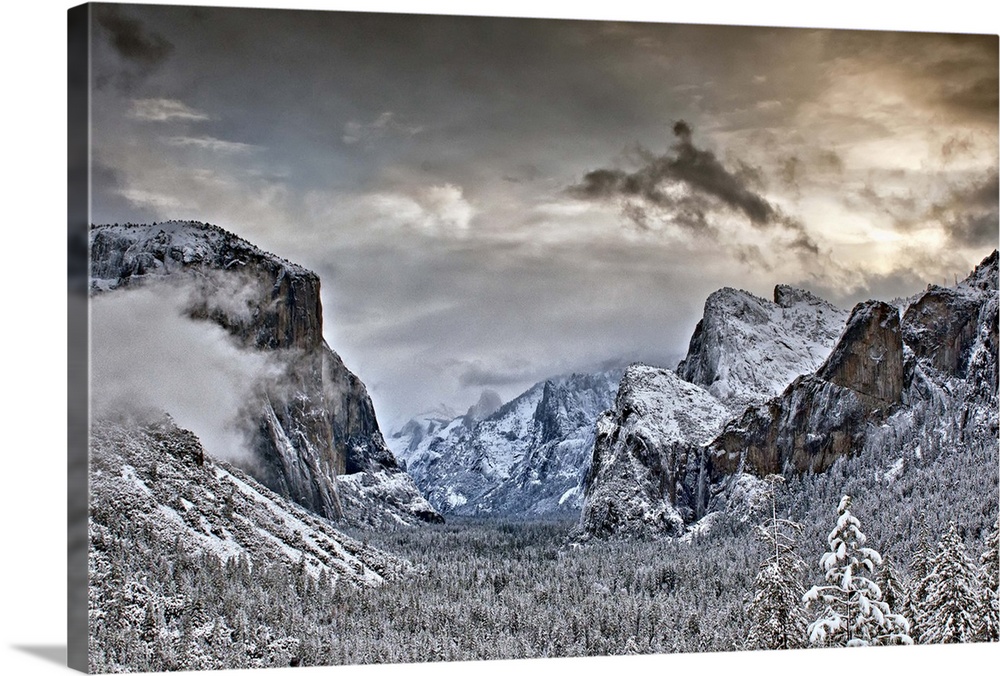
(868, 358)
(896, 387)
(528, 457)
(746, 349)
(645, 478)
(317, 422)
(821, 416)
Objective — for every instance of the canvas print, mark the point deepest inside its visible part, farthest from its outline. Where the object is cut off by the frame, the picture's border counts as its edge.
(419, 338)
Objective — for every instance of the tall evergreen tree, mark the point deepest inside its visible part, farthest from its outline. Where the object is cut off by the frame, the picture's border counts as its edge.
(989, 581)
(917, 589)
(777, 619)
(853, 612)
(891, 586)
(950, 612)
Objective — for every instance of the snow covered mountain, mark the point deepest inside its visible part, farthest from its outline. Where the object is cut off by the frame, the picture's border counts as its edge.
(899, 382)
(156, 476)
(528, 457)
(900, 385)
(309, 421)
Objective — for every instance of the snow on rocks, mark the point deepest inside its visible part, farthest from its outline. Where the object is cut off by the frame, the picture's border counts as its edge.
(646, 471)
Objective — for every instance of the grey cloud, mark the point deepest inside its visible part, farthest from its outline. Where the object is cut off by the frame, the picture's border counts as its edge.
(387, 124)
(478, 374)
(971, 214)
(707, 183)
(951, 74)
(110, 184)
(955, 146)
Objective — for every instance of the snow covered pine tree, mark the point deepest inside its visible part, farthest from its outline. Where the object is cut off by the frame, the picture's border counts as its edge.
(950, 610)
(916, 589)
(777, 619)
(854, 613)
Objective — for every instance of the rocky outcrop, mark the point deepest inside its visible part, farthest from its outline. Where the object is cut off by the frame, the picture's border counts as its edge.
(922, 384)
(313, 422)
(646, 476)
(528, 457)
(881, 368)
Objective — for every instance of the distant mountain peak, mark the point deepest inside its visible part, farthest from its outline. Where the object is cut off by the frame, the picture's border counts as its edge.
(488, 404)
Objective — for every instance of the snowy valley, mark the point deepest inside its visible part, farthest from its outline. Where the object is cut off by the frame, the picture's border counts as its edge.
(622, 511)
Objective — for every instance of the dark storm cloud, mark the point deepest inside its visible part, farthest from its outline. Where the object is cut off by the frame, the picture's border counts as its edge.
(700, 170)
(131, 39)
(137, 51)
(707, 184)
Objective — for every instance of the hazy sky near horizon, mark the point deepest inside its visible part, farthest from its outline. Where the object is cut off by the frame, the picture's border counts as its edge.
(489, 202)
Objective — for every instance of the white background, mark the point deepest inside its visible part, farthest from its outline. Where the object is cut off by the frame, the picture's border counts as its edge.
(33, 328)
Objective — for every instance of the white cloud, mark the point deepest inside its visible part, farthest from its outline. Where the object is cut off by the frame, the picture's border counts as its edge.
(162, 110)
(211, 144)
(436, 209)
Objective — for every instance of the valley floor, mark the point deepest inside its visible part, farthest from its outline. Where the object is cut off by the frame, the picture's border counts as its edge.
(502, 589)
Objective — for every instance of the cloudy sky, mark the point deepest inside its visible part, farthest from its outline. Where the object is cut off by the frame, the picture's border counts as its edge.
(493, 201)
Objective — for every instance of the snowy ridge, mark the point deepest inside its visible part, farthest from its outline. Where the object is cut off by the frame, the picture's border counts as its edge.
(166, 247)
(155, 476)
(528, 457)
(746, 349)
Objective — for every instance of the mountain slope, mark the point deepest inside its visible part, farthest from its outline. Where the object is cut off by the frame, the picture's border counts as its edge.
(306, 425)
(527, 457)
(179, 544)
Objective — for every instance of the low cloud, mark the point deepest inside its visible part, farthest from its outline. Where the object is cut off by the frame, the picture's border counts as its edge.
(149, 357)
(477, 373)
